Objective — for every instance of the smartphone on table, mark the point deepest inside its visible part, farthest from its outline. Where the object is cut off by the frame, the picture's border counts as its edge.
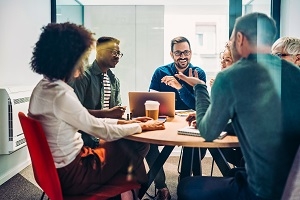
(162, 119)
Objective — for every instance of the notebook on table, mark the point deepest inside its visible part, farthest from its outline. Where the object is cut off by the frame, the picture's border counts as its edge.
(191, 131)
(137, 102)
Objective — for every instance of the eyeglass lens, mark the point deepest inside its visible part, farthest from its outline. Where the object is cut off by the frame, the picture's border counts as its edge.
(116, 53)
(282, 54)
(186, 53)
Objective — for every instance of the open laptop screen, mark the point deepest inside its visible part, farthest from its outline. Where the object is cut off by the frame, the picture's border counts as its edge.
(138, 99)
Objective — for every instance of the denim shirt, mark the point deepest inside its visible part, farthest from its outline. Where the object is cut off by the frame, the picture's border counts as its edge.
(184, 97)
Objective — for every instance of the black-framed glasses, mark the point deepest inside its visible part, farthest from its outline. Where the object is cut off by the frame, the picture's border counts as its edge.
(185, 52)
(115, 53)
(282, 54)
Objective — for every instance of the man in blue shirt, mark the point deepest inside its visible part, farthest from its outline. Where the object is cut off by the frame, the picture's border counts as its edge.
(163, 80)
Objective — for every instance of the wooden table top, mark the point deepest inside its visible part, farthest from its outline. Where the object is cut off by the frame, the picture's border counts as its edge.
(170, 137)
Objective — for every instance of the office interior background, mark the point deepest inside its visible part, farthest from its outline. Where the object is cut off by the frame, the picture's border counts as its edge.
(145, 29)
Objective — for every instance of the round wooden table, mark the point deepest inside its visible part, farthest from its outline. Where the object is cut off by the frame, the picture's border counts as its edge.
(191, 157)
(169, 136)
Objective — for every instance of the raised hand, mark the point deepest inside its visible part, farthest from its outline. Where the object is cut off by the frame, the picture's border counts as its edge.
(191, 80)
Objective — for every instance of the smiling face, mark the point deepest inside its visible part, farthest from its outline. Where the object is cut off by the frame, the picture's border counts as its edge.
(181, 55)
(226, 59)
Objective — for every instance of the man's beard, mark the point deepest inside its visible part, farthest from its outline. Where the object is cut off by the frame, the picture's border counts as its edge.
(179, 66)
(235, 54)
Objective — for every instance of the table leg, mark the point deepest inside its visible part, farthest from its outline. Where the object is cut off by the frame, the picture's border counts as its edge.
(197, 171)
(220, 160)
(190, 162)
(159, 162)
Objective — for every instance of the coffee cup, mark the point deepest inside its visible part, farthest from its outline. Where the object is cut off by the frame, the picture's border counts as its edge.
(152, 109)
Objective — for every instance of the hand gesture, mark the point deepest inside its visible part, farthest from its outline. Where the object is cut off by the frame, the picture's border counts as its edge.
(191, 80)
(171, 81)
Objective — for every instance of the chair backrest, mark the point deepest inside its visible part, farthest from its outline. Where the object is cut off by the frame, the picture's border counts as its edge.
(292, 186)
(42, 161)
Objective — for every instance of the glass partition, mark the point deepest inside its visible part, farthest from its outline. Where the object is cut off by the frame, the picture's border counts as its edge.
(146, 29)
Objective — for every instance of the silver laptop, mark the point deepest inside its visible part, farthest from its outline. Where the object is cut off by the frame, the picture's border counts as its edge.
(166, 100)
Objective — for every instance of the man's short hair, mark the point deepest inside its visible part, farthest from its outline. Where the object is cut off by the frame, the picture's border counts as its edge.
(177, 40)
(258, 28)
(105, 40)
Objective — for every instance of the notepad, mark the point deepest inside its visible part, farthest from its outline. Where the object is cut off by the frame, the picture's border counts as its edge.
(191, 131)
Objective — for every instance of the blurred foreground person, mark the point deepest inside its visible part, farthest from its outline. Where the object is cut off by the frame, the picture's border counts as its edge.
(259, 95)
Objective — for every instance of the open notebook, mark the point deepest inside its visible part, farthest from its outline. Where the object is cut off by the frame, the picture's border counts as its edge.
(190, 130)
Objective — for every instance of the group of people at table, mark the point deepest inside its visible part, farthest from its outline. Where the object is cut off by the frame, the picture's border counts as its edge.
(256, 90)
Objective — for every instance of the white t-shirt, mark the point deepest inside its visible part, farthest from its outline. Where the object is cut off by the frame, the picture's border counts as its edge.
(61, 115)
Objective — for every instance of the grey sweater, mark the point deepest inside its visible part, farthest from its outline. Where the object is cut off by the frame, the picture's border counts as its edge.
(261, 96)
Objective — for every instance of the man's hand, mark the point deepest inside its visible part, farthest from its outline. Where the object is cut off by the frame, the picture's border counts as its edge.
(191, 79)
(116, 112)
(191, 119)
(171, 81)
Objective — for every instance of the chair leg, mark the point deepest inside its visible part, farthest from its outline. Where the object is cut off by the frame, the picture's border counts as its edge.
(134, 195)
(212, 167)
(42, 197)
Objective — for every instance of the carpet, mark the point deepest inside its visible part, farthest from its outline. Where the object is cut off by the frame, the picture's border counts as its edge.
(19, 188)
(22, 186)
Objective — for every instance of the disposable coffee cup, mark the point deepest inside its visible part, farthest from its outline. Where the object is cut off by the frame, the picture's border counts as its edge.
(152, 109)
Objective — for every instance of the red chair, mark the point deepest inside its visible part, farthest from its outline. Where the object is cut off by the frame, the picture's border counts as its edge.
(45, 172)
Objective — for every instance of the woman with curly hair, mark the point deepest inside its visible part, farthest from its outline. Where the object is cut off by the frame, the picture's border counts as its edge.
(226, 60)
(59, 55)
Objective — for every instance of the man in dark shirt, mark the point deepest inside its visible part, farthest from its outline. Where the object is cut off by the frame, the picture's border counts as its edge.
(260, 95)
(91, 90)
(163, 80)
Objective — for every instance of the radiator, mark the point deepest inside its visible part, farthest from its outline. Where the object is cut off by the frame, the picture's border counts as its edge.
(12, 101)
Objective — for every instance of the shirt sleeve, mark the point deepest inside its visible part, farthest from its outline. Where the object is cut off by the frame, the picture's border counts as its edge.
(212, 115)
(188, 97)
(156, 80)
(118, 93)
(69, 109)
(80, 86)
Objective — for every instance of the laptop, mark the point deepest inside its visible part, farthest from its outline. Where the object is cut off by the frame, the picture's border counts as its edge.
(138, 99)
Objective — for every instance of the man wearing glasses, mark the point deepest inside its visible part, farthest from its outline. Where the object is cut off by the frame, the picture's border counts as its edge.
(163, 80)
(287, 48)
(98, 89)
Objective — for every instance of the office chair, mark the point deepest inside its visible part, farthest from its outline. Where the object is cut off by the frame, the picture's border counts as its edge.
(46, 175)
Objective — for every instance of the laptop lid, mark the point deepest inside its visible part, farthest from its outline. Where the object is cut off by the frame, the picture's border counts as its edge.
(138, 99)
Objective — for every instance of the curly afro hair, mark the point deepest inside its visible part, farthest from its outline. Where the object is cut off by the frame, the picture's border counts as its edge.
(60, 48)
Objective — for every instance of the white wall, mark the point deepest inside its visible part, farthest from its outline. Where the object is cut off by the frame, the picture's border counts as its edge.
(290, 15)
(20, 23)
(139, 30)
